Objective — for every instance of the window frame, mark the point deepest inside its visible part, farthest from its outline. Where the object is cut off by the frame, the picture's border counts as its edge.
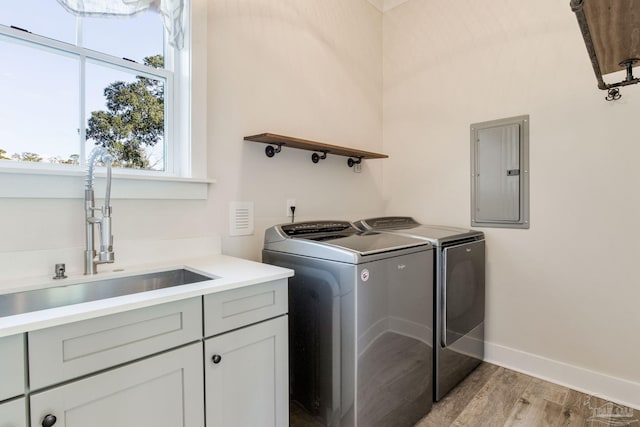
(186, 135)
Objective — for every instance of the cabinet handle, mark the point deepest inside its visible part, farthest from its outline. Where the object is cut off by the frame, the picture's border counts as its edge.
(216, 358)
(49, 420)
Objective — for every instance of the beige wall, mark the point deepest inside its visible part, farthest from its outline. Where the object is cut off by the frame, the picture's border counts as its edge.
(44, 224)
(567, 289)
(303, 68)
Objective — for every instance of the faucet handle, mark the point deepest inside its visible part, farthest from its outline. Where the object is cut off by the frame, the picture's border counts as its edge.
(60, 270)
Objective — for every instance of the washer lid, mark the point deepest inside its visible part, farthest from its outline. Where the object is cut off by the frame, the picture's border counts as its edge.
(407, 226)
(386, 223)
(337, 240)
(368, 243)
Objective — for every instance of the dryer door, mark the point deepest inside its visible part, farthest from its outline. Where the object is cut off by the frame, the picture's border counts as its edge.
(463, 290)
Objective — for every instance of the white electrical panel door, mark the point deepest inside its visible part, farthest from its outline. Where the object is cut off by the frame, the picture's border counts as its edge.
(499, 172)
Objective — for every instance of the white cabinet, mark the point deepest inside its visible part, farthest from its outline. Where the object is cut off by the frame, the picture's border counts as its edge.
(12, 381)
(165, 390)
(12, 366)
(225, 311)
(144, 368)
(161, 391)
(75, 349)
(246, 367)
(246, 376)
(13, 413)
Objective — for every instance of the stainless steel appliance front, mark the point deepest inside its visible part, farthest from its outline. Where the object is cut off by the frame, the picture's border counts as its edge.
(459, 289)
(460, 297)
(463, 290)
(361, 336)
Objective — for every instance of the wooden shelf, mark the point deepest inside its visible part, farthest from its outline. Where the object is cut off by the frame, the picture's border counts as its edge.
(318, 147)
(609, 29)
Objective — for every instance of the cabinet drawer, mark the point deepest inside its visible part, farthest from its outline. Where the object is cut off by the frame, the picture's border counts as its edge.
(12, 366)
(161, 391)
(229, 310)
(68, 351)
(13, 413)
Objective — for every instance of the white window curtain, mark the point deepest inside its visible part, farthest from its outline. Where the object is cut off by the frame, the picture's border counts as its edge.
(172, 12)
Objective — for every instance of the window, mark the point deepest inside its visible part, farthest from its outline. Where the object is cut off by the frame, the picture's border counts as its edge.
(71, 83)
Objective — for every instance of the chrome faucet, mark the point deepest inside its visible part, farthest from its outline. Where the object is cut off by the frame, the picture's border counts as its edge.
(105, 255)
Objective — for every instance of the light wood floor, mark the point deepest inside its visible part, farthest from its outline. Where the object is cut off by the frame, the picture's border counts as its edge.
(493, 396)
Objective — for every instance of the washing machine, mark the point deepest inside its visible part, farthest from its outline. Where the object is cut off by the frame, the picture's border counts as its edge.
(360, 324)
(459, 294)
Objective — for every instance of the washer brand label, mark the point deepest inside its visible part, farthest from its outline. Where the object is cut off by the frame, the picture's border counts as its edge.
(364, 275)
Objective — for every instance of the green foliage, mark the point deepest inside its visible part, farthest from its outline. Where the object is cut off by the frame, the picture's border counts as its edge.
(74, 159)
(134, 119)
(27, 157)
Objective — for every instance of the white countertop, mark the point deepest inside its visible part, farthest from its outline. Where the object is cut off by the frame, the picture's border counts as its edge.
(230, 273)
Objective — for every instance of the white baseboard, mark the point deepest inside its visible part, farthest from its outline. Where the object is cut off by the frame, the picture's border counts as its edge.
(617, 390)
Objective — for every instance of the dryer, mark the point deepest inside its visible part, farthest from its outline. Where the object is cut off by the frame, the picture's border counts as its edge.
(360, 324)
(459, 294)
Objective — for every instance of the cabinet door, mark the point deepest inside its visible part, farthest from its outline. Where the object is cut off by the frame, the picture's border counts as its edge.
(12, 366)
(162, 391)
(246, 376)
(80, 348)
(13, 414)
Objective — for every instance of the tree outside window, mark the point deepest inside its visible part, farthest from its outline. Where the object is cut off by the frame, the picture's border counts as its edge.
(132, 124)
(134, 120)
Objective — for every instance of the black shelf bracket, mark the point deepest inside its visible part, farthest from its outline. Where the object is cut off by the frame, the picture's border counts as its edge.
(315, 157)
(271, 151)
(351, 161)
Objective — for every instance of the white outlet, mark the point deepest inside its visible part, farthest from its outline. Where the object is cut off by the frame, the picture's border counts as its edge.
(290, 202)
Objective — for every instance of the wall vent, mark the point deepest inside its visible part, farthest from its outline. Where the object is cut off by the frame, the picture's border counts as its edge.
(241, 218)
